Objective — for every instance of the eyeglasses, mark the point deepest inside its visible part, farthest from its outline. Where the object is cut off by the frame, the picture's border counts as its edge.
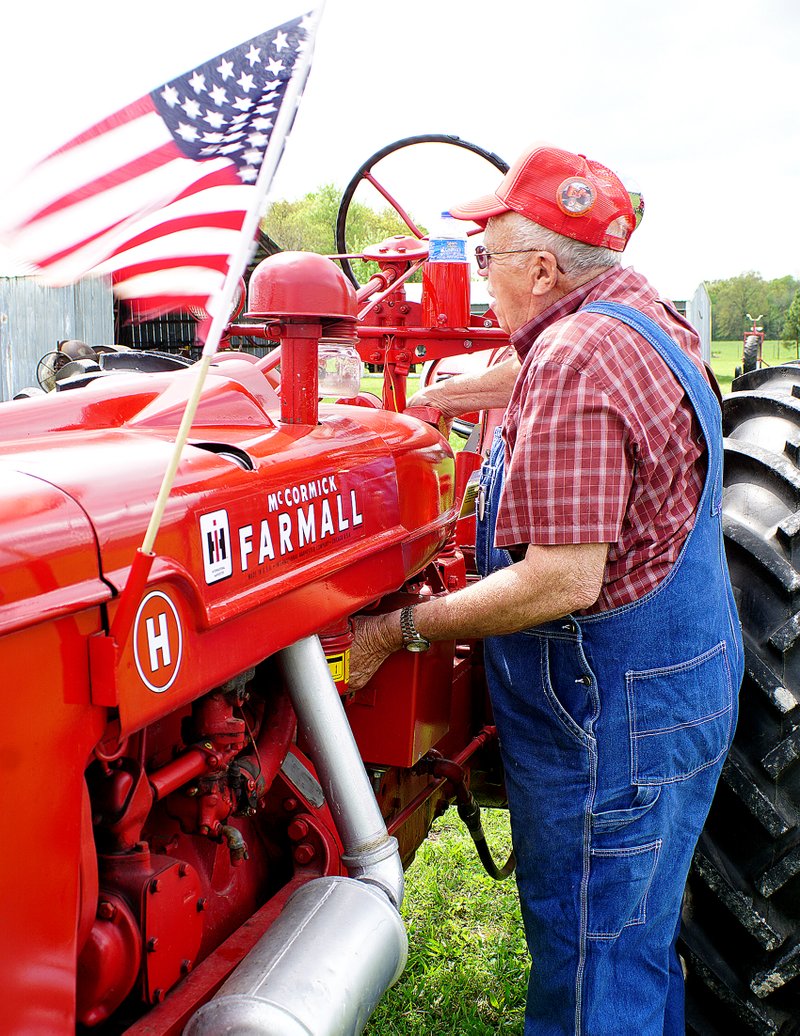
(482, 256)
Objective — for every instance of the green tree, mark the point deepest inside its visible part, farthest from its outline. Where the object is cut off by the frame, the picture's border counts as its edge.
(309, 224)
(733, 299)
(780, 294)
(791, 327)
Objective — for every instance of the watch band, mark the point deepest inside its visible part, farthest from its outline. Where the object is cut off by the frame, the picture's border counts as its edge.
(412, 638)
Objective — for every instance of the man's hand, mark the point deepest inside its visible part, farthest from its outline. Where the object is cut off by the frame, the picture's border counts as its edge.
(376, 637)
(467, 392)
(432, 395)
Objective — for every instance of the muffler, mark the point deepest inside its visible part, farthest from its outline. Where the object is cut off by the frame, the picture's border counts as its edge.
(339, 943)
(320, 970)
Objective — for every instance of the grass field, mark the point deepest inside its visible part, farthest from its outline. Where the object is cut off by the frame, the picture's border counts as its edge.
(467, 967)
(725, 356)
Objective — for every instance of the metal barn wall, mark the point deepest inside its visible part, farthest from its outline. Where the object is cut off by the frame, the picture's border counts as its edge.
(33, 319)
(698, 313)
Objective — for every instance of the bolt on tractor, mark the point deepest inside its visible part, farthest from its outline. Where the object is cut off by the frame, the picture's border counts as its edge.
(222, 845)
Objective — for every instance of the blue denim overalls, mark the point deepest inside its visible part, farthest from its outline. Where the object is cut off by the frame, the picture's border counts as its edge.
(613, 729)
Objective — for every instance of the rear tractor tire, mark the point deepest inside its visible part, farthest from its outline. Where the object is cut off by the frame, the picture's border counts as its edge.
(741, 925)
(750, 354)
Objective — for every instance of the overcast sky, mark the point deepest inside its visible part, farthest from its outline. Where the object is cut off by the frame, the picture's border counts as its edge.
(697, 102)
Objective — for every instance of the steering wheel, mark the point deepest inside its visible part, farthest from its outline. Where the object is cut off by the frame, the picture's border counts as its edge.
(365, 174)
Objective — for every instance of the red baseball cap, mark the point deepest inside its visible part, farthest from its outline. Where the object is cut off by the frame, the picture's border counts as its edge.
(567, 193)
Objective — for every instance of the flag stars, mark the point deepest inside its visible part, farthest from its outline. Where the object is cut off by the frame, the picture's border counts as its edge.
(227, 107)
(191, 107)
(170, 95)
(198, 83)
(189, 133)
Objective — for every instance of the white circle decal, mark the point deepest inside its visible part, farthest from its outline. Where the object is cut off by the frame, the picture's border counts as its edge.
(157, 642)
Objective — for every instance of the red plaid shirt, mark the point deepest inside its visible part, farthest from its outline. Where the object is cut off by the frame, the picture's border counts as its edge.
(602, 445)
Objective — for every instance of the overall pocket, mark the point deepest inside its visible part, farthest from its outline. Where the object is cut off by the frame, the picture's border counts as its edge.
(568, 683)
(489, 558)
(484, 519)
(680, 717)
(619, 881)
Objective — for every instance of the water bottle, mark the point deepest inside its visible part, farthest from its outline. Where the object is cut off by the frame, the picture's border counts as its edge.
(445, 276)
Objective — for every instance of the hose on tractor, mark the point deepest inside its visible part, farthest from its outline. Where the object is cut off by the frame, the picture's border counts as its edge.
(470, 813)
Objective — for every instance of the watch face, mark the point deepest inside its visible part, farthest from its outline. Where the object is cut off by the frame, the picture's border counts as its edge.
(418, 645)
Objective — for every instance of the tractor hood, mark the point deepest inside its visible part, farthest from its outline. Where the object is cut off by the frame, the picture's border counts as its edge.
(271, 532)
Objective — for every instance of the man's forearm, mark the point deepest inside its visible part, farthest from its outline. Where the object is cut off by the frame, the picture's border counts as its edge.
(466, 392)
(548, 583)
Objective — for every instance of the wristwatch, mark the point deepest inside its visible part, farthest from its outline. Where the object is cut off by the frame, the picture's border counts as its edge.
(412, 638)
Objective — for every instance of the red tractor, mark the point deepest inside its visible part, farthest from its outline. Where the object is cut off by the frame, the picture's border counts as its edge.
(220, 843)
(752, 347)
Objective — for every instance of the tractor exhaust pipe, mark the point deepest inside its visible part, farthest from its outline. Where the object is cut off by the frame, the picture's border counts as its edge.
(339, 943)
(370, 854)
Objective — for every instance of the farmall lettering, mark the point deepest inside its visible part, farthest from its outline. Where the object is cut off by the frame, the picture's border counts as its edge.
(300, 518)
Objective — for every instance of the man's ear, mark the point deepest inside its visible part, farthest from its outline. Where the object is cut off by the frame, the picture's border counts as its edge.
(544, 273)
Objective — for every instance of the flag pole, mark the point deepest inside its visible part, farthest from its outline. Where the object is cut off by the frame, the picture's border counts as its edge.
(220, 310)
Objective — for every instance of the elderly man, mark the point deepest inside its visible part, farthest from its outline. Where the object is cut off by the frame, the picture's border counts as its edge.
(612, 646)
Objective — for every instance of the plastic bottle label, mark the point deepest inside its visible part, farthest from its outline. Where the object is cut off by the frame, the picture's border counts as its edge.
(447, 250)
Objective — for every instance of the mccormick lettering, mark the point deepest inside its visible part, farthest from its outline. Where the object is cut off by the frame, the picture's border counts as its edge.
(302, 494)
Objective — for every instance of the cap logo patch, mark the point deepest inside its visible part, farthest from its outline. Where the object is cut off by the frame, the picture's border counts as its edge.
(637, 203)
(575, 196)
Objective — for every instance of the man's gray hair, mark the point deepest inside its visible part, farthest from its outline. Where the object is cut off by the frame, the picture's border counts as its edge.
(574, 257)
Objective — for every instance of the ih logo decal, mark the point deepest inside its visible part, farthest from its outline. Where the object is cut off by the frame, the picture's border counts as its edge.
(157, 641)
(215, 535)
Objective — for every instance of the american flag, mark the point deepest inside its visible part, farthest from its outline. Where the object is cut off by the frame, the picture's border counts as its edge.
(156, 195)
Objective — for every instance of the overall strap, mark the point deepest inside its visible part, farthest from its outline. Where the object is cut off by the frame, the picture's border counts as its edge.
(700, 393)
